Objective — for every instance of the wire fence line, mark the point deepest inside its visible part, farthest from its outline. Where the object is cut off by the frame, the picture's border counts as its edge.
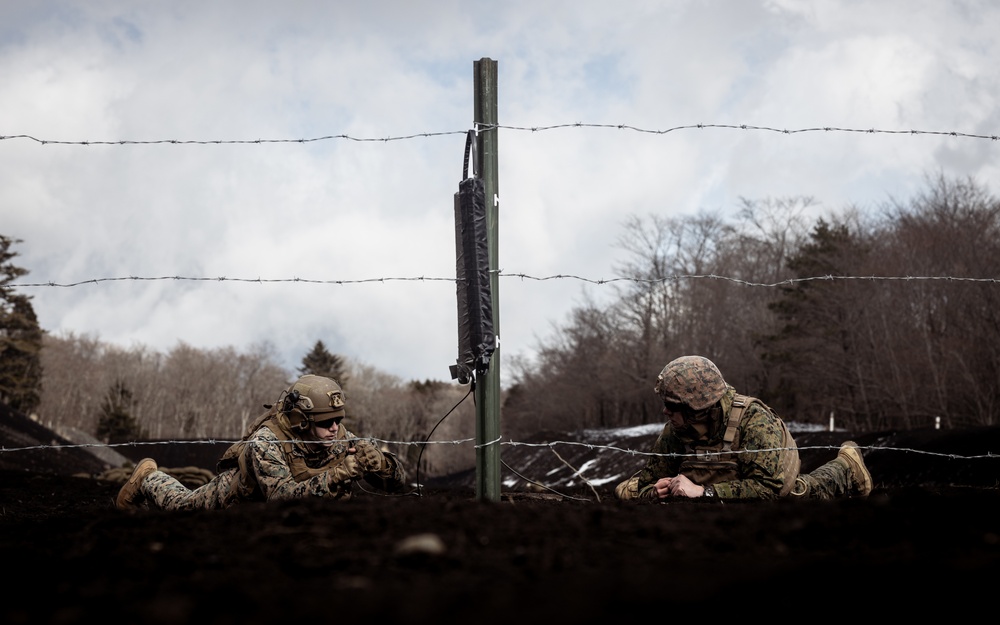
(491, 127)
(230, 141)
(480, 128)
(511, 443)
(502, 274)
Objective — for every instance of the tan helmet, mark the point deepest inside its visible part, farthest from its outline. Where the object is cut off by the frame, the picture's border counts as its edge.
(313, 395)
(691, 380)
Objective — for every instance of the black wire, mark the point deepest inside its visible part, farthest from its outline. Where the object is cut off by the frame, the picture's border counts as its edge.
(472, 387)
(540, 485)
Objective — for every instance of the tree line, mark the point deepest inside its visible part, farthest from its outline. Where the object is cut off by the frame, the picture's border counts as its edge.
(792, 312)
(121, 395)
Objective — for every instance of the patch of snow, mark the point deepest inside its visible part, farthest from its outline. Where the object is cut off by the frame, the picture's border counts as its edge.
(795, 426)
(627, 432)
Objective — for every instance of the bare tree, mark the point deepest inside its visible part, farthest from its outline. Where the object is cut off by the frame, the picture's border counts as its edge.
(695, 288)
(187, 393)
(949, 236)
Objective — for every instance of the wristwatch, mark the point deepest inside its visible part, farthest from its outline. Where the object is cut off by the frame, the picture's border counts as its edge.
(709, 491)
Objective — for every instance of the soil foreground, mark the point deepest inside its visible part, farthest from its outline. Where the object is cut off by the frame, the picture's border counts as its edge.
(928, 538)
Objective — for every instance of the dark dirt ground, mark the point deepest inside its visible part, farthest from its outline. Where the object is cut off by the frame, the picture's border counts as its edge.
(926, 540)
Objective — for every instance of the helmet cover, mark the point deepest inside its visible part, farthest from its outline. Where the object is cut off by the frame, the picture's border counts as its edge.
(691, 380)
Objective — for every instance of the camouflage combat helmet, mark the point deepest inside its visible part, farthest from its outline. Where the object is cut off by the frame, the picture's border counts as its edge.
(691, 380)
(313, 395)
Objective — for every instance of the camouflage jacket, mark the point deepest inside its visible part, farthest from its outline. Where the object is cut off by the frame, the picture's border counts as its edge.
(762, 464)
(272, 465)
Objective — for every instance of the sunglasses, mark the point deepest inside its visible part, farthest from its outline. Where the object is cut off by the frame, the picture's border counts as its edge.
(676, 406)
(328, 423)
(688, 413)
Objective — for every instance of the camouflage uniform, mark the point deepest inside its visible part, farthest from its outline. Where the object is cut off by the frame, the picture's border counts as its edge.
(762, 461)
(270, 462)
(273, 474)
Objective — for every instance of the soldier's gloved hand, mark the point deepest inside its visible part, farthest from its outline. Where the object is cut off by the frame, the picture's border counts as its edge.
(345, 471)
(369, 457)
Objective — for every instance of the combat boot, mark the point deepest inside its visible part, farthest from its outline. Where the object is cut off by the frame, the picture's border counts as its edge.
(130, 492)
(861, 479)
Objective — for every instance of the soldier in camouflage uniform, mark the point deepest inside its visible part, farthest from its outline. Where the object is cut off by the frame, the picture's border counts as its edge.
(717, 443)
(298, 448)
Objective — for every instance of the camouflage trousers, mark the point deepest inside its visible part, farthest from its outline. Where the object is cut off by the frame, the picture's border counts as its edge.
(167, 493)
(829, 481)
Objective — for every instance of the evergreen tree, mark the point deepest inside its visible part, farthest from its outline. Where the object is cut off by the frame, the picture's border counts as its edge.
(116, 423)
(814, 352)
(20, 338)
(321, 362)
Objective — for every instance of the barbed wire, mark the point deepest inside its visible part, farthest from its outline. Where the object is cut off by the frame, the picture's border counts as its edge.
(488, 127)
(633, 452)
(511, 443)
(233, 141)
(502, 274)
(786, 131)
(786, 282)
(225, 279)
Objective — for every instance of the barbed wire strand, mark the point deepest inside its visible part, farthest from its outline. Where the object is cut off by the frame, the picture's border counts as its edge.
(502, 274)
(511, 443)
(528, 480)
(489, 127)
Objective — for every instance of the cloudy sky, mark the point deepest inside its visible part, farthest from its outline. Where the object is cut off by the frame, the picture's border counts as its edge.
(377, 214)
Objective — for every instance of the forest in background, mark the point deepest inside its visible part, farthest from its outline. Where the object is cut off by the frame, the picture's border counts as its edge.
(121, 395)
(885, 319)
(794, 312)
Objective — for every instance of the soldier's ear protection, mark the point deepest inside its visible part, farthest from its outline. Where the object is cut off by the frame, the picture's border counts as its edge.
(294, 400)
(299, 405)
(292, 406)
(288, 403)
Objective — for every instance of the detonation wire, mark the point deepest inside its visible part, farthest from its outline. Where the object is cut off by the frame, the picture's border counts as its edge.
(472, 387)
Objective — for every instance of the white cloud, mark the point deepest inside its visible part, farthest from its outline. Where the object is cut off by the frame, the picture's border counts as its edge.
(340, 209)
